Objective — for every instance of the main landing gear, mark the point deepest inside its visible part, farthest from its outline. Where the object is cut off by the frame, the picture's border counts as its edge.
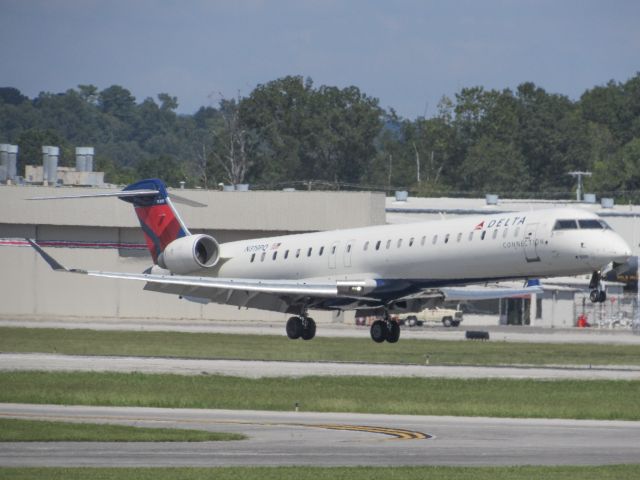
(386, 329)
(598, 293)
(301, 327)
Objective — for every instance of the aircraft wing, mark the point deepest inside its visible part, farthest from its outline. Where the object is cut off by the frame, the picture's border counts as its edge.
(475, 292)
(479, 292)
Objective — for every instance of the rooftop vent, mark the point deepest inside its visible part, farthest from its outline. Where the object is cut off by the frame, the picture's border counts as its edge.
(606, 202)
(402, 195)
(491, 199)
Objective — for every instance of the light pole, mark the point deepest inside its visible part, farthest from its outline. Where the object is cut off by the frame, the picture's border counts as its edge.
(579, 176)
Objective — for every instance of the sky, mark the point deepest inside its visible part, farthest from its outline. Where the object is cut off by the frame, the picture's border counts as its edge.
(406, 53)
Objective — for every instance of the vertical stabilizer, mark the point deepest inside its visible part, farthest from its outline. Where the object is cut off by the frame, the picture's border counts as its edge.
(158, 218)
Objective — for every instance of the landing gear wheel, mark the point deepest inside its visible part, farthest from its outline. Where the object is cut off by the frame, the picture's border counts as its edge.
(308, 328)
(393, 332)
(597, 296)
(378, 331)
(598, 292)
(294, 328)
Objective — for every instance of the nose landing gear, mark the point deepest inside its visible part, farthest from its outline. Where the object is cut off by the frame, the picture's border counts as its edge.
(598, 292)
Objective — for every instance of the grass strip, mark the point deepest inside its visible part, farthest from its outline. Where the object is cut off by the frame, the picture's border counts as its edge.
(608, 472)
(594, 399)
(271, 347)
(18, 430)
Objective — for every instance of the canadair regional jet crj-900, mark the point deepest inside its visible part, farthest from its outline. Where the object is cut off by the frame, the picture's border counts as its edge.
(392, 268)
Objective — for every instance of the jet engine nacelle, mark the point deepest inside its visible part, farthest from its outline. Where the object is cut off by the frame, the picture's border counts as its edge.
(188, 254)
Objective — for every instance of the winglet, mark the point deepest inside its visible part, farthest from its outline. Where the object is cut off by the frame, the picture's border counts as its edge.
(53, 263)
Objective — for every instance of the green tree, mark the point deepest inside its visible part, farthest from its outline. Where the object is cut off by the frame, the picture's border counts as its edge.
(12, 96)
(163, 167)
(494, 166)
(117, 101)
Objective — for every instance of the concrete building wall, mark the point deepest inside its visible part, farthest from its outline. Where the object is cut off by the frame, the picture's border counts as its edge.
(29, 288)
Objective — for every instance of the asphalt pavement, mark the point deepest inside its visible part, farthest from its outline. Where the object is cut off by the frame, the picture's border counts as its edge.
(260, 369)
(327, 439)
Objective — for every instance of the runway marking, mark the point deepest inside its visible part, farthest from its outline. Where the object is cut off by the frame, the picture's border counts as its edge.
(396, 433)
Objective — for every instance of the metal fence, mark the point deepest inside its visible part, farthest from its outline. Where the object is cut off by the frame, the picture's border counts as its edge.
(617, 312)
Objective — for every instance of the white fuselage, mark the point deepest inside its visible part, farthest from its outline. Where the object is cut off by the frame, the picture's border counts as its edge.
(448, 251)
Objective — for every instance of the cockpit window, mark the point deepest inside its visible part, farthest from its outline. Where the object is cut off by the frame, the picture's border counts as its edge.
(605, 225)
(565, 225)
(590, 223)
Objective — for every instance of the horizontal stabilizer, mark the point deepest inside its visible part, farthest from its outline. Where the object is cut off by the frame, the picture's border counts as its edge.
(119, 194)
(124, 194)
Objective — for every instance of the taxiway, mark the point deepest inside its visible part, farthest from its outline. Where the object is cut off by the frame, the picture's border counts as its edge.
(328, 439)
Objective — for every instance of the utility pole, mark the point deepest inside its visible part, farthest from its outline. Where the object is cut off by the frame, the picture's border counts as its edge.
(417, 162)
(579, 176)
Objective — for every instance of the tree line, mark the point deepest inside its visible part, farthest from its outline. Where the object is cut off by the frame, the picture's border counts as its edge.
(290, 133)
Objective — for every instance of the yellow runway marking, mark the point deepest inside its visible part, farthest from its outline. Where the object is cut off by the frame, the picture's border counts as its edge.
(397, 433)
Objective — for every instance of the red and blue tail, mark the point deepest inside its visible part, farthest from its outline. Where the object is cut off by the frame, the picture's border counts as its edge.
(158, 218)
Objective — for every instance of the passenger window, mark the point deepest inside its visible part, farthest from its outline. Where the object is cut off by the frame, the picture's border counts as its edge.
(484, 233)
(309, 251)
(424, 239)
(411, 240)
(262, 256)
(275, 254)
(470, 235)
(253, 257)
(388, 244)
(297, 253)
(366, 246)
(459, 237)
(348, 248)
(286, 254)
(378, 245)
(435, 239)
(495, 234)
(399, 242)
(565, 225)
(333, 250)
(321, 251)
(446, 238)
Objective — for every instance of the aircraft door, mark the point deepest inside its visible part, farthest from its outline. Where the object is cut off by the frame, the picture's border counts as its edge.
(530, 242)
(333, 252)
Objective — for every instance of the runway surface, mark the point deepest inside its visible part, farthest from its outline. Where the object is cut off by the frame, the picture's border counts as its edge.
(523, 334)
(328, 439)
(259, 369)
